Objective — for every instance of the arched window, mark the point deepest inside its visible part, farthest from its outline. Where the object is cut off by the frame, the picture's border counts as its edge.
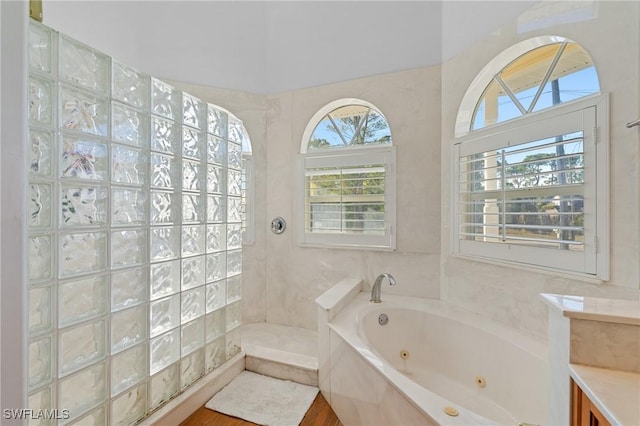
(531, 158)
(348, 178)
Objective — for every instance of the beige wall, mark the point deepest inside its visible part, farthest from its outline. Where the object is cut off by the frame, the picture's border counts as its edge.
(510, 295)
(280, 279)
(296, 276)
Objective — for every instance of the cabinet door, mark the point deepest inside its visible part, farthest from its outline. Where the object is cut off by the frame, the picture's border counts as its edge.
(583, 411)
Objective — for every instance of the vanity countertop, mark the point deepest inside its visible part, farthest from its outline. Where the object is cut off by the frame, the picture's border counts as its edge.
(615, 393)
(596, 309)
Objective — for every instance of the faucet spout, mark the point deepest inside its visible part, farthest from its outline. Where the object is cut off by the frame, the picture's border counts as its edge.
(375, 290)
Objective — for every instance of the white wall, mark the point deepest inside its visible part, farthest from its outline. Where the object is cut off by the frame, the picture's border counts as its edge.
(13, 155)
(610, 32)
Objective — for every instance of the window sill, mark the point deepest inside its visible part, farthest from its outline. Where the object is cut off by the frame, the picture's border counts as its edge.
(347, 247)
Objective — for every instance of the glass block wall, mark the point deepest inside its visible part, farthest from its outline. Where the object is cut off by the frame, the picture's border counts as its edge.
(135, 232)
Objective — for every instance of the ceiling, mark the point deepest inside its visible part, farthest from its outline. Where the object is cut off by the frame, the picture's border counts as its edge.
(276, 46)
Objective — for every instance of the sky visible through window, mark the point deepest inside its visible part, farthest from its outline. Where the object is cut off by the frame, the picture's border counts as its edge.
(572, 86)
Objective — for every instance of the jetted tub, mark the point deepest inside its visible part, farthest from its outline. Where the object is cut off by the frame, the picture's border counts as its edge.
(431, 363)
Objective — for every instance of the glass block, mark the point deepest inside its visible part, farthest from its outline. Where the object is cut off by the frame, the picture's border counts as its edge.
(217, 121)
(128, 165)
(165, 100)
(165, 350)
(193, 240)
(215, 354)
(128, 288)
(234, 182)
(192, 336)
(165, 135)
(40, 158)
(39, 206)
(84, 390)
(216, 209)
(216, 150)
(81, 65)
(128, 368)
(128, 125)
(234, 209)
(216, 266)
(41, 359)
(215, 325)
(130, 86)
(191, 368)
(165, 279)
(82, 205)
(40, 309)
(41, 101)
(97, 417)
(192, 208)
(130, 407)
(165, 314)
(82, 345)
(216, 238)
(164, 208)
(81, 300)
(232, 340)
(128, 206)
(84, 158)
(234, 289)
(41, 399)
(236, 131)
(164, 171)
(191, 143)
(128, 328)
(82, 252)
(234, 263)
(83, 112)
(193, 272)
(234, 236)
(191, 175)
(233, 314)
(40, 48)
(216, 295)
(215, 179)
(164, 386)
(128, 247)
(165, 243)
(193, 302)
(192, 110)
(40, 257)
(234, 156)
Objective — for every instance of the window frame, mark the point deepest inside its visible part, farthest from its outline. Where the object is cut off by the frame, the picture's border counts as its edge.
(345, 156)
(547, 123)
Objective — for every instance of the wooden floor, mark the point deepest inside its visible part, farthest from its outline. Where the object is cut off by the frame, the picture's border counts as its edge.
(319, 414)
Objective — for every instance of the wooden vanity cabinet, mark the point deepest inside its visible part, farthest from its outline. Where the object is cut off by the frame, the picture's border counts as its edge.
(583, 411)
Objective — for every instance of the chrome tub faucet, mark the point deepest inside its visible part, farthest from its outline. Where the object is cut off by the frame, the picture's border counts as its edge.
(375, 290)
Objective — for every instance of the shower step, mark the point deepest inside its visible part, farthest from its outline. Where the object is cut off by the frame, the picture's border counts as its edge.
(280, 351)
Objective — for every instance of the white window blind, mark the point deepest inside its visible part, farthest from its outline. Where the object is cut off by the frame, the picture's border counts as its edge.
(529, 193)
(347, 198)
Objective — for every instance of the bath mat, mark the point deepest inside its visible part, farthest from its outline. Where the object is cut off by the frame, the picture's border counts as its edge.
(264, 400)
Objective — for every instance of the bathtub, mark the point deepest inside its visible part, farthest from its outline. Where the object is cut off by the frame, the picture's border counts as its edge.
(432, 363)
